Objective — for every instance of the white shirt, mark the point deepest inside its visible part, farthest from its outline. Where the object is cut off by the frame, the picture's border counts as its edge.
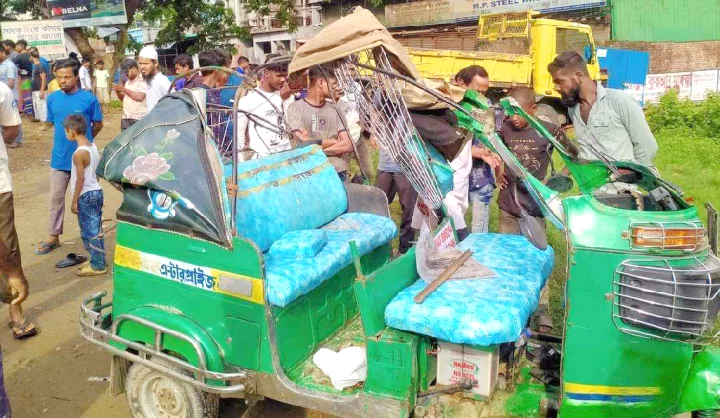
(157, 88)
(85, 80)
(352, 117)
(90, 181)
(9, 116)
(253, 134)
(456, 202)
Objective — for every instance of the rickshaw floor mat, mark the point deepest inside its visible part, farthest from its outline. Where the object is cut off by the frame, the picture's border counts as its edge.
(289, 278)
(308, 375)
(479, 312)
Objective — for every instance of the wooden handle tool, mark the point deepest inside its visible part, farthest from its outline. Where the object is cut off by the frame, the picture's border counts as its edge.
(443, 277)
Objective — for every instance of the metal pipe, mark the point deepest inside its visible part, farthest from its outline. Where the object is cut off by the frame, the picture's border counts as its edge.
(465, 385)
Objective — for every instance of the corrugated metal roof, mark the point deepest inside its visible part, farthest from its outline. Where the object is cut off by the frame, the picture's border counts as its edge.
(665, 20)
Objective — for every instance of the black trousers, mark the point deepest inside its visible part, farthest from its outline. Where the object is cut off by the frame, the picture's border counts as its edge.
(397, 183)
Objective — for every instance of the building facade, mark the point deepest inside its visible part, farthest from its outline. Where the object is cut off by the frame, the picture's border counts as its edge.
(268, 33)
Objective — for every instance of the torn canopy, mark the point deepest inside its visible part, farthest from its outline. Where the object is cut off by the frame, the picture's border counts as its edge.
(170, 172)
(359, 33)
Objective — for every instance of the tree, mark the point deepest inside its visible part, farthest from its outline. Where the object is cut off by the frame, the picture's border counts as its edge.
(213, 24)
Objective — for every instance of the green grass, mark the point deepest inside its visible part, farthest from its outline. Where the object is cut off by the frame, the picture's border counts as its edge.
(693, 163)
(116, 105)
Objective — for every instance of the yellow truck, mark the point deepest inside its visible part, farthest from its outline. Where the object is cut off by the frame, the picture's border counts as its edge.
(515, 49)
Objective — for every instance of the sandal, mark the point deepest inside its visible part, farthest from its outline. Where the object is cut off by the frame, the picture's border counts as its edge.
(44, 247)
(88, 271)
(24, 330)
(72, 259)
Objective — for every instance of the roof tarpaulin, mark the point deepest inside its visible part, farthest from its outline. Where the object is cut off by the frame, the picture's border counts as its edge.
(358, 31)
(361, 31)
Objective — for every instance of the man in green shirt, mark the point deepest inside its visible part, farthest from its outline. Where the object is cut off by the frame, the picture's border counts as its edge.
(607, 121)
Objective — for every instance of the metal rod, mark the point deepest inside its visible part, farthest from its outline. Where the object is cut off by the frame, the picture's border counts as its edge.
(465, 385)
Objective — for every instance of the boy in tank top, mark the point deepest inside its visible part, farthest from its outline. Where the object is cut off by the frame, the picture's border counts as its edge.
(87, 194)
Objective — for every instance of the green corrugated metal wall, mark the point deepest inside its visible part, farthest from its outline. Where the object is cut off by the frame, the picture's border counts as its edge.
(665, 20)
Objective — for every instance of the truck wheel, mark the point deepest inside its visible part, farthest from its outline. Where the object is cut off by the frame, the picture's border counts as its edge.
(153, 395)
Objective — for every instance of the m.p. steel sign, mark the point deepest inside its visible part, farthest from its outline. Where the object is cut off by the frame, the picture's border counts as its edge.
(444, 11)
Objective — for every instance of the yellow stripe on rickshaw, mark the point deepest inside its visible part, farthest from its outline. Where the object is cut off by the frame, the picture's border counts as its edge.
(199, 277)
(610, 390)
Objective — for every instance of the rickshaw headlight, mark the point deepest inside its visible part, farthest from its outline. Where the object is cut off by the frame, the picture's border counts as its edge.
(668, 238)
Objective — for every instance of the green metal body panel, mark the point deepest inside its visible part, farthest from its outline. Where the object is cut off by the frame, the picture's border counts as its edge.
(376, 290)
(427, 363)
(234, 332)
(597, 357)
(665, 20)
(392, 366)
(584, 213)
(210, 311)
(597, 354)
(398, 362)
(702, 388)
(304, 324)
(525, 400)
(178, 322)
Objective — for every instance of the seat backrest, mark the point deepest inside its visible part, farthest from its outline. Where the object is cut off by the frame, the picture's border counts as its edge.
(288, 191)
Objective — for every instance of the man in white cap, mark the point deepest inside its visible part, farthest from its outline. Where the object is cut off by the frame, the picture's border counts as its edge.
(157, 84)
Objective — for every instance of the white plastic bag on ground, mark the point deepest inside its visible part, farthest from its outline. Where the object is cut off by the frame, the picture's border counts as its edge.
(345, 368)
(431, 262)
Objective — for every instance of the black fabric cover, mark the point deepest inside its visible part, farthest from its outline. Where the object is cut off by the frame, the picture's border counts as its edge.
(170, 172)
(440, 128)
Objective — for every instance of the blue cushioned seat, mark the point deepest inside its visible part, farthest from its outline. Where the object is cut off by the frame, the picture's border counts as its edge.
(287, 279)
(281, 201)
(479, 311)
(288, 191)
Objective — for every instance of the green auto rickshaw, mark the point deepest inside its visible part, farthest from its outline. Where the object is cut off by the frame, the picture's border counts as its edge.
(230, 276)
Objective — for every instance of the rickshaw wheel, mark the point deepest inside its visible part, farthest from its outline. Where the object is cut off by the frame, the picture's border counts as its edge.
(153, 395)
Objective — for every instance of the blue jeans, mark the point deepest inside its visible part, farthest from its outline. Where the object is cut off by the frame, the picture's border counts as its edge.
(19, 139)
(480, 199)
(5, 411)
(90, 219)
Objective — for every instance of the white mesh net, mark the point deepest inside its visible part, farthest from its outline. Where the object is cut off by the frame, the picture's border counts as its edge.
(378, 99)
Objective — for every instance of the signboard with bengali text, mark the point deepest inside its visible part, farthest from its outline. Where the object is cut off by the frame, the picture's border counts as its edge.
(693, 86)
(46, 35)
(682, 82)
(704, 82)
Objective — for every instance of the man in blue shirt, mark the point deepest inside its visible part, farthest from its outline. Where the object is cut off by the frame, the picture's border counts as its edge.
(183, 66)
(242, 65)
(70, 100)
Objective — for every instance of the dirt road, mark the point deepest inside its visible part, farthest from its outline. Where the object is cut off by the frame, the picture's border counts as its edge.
(55, 374)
